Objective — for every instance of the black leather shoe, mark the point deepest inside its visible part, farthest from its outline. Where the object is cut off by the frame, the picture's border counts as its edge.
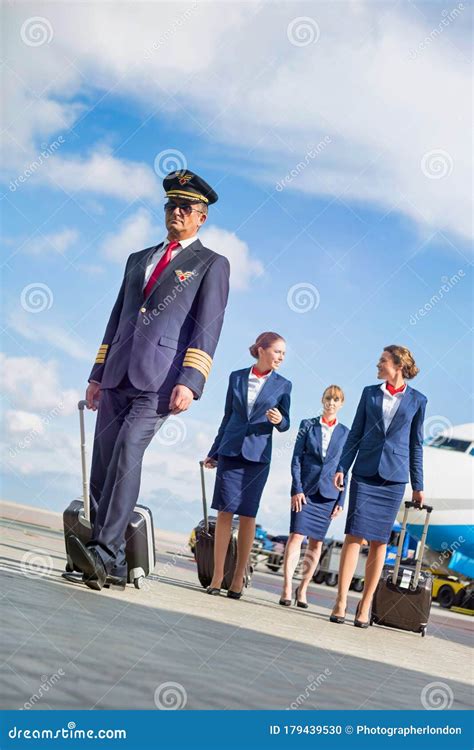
(285, 602)
(234, 594)
(115, 582)
(89, 561)
(360, 623)
(213, 591)
(72, 576)
(303, 605)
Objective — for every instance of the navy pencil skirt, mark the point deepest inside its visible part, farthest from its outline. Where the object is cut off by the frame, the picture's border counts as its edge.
(373, 506)
(314, 518)
(239, 485)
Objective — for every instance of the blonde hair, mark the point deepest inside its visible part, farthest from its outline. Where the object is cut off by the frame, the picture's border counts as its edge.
(403, 356)
(265, 340)
(333, 390)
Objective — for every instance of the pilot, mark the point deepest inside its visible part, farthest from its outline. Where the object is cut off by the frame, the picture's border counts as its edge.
(154, 360)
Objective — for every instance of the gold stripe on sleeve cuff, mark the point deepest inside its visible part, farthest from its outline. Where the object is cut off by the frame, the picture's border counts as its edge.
(197, 367)
(194, 358)
(200, 353)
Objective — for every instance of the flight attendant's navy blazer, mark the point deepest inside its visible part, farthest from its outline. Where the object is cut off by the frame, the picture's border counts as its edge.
(251, 435)
(395, 454)
(310, 472)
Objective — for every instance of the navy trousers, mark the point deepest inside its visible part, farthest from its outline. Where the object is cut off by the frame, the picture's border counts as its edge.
(127, 420)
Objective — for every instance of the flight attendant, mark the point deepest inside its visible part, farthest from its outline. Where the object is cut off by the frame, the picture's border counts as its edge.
(387, 438)
(258, 399)
(314, 499)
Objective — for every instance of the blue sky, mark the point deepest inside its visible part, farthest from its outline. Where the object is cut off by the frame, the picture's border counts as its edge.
(373, 225)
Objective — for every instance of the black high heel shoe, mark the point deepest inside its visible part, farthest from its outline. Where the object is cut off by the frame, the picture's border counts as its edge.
(337, 618)
(234, 594)
(285, 602)
(360, 623)
(213, 591)
(303, 605)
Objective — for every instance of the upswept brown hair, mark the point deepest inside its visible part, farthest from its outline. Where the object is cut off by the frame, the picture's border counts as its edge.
(333, 390)
(403, 356)
(265, 340)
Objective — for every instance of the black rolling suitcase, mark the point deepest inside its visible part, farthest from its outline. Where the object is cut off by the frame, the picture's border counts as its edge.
(204, 549)
(403, 595)
(139, 537)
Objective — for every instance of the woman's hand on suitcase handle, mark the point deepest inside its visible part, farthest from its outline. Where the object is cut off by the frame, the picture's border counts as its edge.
(92, 394)
(297, 501)
(209, 463)
(418, 497)
(339, 480)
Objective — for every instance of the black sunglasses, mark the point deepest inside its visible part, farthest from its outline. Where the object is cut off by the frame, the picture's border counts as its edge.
(185, 208)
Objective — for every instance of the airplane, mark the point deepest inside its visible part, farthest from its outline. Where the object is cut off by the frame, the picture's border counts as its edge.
(448, 469)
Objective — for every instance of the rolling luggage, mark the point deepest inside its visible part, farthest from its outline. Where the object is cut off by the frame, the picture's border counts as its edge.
(139, 537)
(403, 595)
(204, 548)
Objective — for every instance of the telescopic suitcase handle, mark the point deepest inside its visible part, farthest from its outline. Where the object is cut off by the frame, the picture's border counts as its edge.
(204, 501)
(428, 508)
(85, 485)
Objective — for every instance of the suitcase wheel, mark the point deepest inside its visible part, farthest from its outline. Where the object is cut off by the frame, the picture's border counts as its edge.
(423, 632)
(139, 582)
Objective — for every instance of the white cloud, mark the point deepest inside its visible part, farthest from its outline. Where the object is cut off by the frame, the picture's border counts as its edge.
(32, 328)
(18, 421)
(33, 385)
(58, 242)
(368, 81)
(136, 232)
(243, 267)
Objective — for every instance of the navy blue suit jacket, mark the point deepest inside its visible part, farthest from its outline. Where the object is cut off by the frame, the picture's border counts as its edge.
(251, 435)
(310, 472)
(170, 337)
(397, 454)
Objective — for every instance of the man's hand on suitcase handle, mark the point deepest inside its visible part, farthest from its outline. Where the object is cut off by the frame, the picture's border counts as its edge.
(209, 463)
(93, 396)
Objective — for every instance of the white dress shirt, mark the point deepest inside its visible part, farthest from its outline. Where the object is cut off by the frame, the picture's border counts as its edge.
(255, 385)
(155, 258)
(390, 404)
(326, 434)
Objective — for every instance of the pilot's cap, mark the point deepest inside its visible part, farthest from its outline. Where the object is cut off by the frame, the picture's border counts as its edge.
(188, 186)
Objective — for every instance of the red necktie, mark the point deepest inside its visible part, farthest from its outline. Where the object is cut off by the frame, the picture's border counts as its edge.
(391, 389)
(162, 263)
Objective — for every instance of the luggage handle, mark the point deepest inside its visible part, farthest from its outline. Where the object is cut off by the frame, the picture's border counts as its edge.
(204, 501)
(85, 485)
(428, 508)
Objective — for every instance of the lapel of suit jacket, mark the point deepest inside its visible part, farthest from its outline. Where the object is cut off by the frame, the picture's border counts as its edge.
(400, 414)
(379, 407)
(318, 434)
(178, 259)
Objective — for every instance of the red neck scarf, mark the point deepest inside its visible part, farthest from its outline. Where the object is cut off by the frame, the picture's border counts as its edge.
(392, 390)
(330, 423)
(259, 374)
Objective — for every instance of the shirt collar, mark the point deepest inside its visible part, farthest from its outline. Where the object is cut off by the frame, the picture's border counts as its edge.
(255, 377)
(184, 243)
(326, 426)
(383, 388)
